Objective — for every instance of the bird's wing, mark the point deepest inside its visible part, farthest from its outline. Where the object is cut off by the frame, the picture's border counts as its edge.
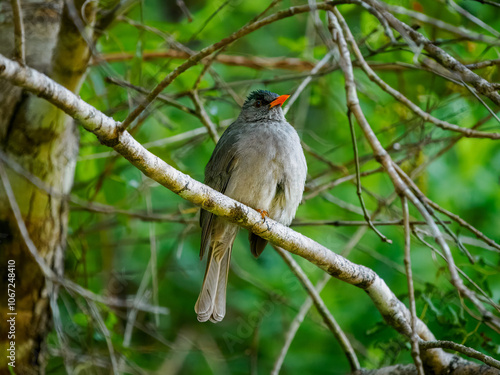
(217, 175)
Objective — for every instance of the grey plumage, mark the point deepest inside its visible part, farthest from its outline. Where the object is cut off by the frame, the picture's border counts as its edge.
(259, 162)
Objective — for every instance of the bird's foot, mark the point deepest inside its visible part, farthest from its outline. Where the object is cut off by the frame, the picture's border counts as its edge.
(263, 213)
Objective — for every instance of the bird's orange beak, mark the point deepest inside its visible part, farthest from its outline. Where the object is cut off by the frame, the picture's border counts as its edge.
(279, 100)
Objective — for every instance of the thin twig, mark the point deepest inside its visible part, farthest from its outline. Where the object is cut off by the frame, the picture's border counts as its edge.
(416, 232)
(425, 345)
(154, 252)
(58, 325)
(472, 18)
(207, 21)
(445, 212)
(295, 324)
(483, 64)
(332, 165)
(411, 292)
(344, 223)
(185, 10)
(485, 105)
(82, 205)
(163, 98)
(314, 191)
(254, 62)
(322, 309)
(205, 119)
(306, 81)
(138, 299)
(464, 224)
(461, 247)
(19, 52)
(182, 137)
(358, 182)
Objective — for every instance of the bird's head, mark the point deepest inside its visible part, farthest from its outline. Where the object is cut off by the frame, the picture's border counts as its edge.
(263, 105)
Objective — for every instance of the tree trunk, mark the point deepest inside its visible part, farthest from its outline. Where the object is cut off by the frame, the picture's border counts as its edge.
(44, 141)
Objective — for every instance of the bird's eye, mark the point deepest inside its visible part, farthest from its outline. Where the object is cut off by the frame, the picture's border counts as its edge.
(258, 103)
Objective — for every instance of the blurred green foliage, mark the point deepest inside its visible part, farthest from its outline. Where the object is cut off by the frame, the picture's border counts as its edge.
(110, 253)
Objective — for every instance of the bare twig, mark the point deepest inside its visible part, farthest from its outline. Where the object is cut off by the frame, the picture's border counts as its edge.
(254, 62)
(294, 326)
(306, 81)
(185, 10)
(358, 182)
(205, 119)
(163, 98)
(462, 248)
(488, 299)
(174, 139)
(314, 191)
(322, 309)
(207, 21)
(138, 299)
(102, 327)
(411, 292)
(483, 64)
(425, 345)
(472, 18)
(344, 223)
(154, 253)
(332, 165)
(81, 205)
(20, 53)
(56, 317)
(464, 224)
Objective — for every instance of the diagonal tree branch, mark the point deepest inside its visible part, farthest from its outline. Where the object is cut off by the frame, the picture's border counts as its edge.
(107, 131)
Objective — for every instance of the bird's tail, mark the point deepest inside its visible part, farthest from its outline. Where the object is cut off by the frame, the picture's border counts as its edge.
(211, 303)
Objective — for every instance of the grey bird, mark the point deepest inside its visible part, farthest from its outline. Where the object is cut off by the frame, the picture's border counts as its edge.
(259, 162)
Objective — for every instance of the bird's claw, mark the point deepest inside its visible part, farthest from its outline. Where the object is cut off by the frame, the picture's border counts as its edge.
(263, 213)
